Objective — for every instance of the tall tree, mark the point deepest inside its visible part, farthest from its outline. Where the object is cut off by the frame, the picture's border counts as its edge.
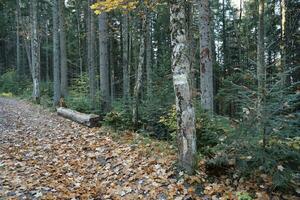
(125, 50)
(149, 53)
(104, 68)
(186, 133)
(63, 51)
(18, 38)
(35, 52)
(91, 55)
(283, 42)
(261, 70)
(56, 70)
(139, 77)
(206, 62)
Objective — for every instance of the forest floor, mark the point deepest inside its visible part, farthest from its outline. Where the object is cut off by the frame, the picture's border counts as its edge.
(44, 156)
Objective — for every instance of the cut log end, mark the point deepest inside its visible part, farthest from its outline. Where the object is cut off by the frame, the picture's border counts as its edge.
(90, 120)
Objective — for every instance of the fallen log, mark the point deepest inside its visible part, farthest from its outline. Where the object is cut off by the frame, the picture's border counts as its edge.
(90, 120)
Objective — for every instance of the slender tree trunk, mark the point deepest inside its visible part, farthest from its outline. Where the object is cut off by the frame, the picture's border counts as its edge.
(56, 68)
(63, 51)
(149, 55)
(104, 68)
(206, 63)
(283, 42)
(125, 45)
(261, 70)
(79, 40)
(47, 52)
(112, 67)
(139, 77)
(18, 39)
(91, 56)
(185, 111)
(224, 36)
(35, 52)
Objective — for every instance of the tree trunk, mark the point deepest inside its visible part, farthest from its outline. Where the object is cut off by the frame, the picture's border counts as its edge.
(104, 68)
(261, 71)
(91, 55)
(90, 120)
(186, 135)
(139, 77)
(56, 71)
(63, 51)
(149, 54)
(206, 63)
(125, 41)
(283, 42)
(18, 39)
(35, 52)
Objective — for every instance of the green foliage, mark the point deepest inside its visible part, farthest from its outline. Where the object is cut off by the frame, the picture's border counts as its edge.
(10, 84)
(120, 116)
(243, 196)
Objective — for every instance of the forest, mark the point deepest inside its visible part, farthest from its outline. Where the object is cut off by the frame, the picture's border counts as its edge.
(165, 99)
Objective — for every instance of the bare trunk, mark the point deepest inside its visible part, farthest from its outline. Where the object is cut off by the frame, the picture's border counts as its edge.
(56, 71)
(206, 64)
(139, 77)
(91, 56)
(63, 51)
(186, 135)
(148, 55)
(104, 68)
(18, 39)
(283, 42)
(261, 71)
(35, 53)
(125, 41)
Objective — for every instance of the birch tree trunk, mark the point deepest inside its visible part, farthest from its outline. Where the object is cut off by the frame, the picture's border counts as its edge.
(35, 52)
(63, 51)
(139, 77)
(186, 133)
(125, 46)
(206, 63)
(283, 42)
(56, 71)
(104, 68)
(91, 55)
(261, 71)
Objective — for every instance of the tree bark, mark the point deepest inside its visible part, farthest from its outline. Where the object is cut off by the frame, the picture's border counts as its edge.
(104, 68)
(18, 39)
(206, 63)
(139, 77)
(35, 54)
(90, 120)
(149, 54)
(56, 70)
(283, 43)
(261, 71)
(63, 51)
(125, 45)
(186, 133)
(91, 55)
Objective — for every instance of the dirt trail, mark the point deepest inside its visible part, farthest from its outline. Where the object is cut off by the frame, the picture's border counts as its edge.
(43, 156)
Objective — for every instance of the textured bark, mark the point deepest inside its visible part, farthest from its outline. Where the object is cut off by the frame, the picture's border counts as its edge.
(149, 54)
(56, 71)
(89, 120)
(35, 52)
(91, 55)
(63, 51)
(18, 39)
(283, 42)
(104, 68)
(186, 133)
(125, 45)
(261, 70)
(206, 63)
(139, 77)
